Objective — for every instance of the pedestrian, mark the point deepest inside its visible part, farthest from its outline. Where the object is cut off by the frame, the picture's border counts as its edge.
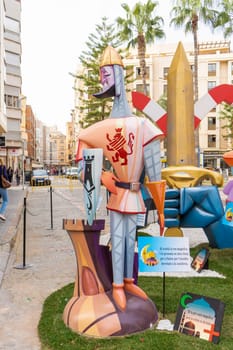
(17, 175)
(3, 191)
(10, 173)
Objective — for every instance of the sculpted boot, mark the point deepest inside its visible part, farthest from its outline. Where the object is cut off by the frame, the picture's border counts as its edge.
(134, 289)
(119, 297)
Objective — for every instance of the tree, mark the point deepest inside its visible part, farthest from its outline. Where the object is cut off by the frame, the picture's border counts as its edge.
(226, 114)
(140, 27)
(188, 14)
(92, 109)
(162, 101)
(224, 18)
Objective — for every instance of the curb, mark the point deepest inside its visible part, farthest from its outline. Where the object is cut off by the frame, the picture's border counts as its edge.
(9, 237)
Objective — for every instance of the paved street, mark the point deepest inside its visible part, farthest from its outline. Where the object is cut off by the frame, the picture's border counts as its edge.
(49, 263)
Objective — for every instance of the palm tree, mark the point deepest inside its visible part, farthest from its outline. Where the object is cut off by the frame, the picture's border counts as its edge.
(140, 27)
(187, 14)
(225, 17)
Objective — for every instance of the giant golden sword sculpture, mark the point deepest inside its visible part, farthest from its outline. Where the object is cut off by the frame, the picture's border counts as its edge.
(182, 170)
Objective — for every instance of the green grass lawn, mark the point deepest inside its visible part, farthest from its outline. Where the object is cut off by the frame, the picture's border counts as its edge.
(54, 335)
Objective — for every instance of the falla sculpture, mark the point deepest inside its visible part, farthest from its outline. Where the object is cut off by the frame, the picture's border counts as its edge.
(107, 301)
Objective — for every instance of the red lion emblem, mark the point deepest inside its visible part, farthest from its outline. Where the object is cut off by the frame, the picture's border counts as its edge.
(117, 144)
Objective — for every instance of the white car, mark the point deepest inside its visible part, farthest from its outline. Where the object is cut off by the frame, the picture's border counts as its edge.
(40, 177)
(67, 172)
(73, 173)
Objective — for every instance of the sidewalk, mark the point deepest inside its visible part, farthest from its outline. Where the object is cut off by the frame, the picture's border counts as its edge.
(50, 264)
(8, 228)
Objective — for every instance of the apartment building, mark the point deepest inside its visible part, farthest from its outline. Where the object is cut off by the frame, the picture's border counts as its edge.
(73, 127)
(31, 133)
(32, 140)
(215, 67)
(55, 150)
(39, 142)
(69, 142)
(10, 82)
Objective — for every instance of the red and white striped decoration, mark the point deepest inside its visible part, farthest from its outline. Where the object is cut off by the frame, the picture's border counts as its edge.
(151, 108)
(220, 93)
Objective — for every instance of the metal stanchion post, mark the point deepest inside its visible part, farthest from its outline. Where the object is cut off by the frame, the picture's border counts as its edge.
(51, 206)
(164, 294)
(24, 265)
(23, 170)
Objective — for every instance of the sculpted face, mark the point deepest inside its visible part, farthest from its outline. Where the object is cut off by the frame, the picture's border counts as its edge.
(107, 76)
(108, 81)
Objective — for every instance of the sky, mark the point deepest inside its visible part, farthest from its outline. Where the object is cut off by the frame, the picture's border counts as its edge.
(53, 35)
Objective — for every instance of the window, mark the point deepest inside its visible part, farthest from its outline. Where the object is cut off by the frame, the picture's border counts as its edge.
(12, 58)
(138, 73)
(211, 85)
(12, 101)
(211, 140)
(11, 25)
(211, 69)
(165, 89)
(165, 72)
(211, 123)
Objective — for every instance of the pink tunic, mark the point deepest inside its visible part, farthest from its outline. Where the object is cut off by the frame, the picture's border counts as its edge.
(122, 141)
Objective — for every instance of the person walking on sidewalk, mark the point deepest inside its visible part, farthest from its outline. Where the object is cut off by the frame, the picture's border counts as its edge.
(17, 175)
(10, 173)
(3, 191)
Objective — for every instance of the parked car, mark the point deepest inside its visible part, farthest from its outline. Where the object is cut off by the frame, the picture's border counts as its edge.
(67, 173)
(73, 173)
(40, 177)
